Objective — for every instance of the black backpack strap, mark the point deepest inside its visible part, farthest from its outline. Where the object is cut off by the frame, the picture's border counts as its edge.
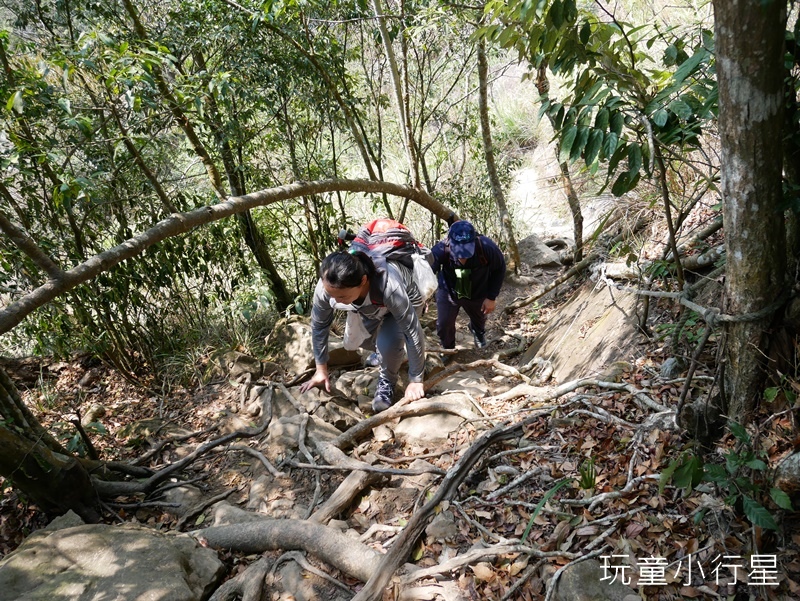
(377, 283)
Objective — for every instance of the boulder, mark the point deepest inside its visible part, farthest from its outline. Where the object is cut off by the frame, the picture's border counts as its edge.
(587, 334)
(586, 581)
(534, 252)
(290, 342)
(98, 562)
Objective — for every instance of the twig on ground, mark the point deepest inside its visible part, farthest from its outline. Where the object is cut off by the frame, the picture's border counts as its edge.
(405, 459)
(258, 455)
(378, 528)
(301, 441)
(522, 478)
(523, 578)
(157, 449)
(595, 500)
(601, 415)
(298, 557)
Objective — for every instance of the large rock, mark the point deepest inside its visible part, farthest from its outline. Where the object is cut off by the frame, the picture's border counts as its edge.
(290, 341)
(586, 335)
(98, 562)
(536, 253)
(587, 581)
(434, 428)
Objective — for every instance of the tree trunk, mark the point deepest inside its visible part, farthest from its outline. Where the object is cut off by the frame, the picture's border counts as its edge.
(394, 71)
(488, 153)
(750, 54)
(55, 482)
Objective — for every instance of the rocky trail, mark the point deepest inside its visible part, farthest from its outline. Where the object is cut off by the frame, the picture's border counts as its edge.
(531, 470)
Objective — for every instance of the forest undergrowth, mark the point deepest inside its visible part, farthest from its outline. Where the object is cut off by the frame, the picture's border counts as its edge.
(600, 471)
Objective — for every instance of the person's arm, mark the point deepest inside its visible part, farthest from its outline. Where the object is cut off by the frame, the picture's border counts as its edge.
(438, 257)
(321, 319)
(496, 265)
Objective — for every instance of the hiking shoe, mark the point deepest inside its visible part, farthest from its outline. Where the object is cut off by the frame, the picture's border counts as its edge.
(384, 395)
(479, 339)
(374, 360)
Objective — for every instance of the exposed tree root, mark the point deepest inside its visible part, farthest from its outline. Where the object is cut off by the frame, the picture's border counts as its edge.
(332, 546)
(247, 586)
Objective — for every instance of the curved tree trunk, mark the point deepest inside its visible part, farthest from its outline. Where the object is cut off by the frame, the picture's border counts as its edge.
(750, 54)
(488, 153)
(180, 223)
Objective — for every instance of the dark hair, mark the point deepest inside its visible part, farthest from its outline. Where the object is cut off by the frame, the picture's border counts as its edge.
(344, 269)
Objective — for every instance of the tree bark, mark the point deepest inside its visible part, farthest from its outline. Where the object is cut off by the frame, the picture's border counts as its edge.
(55, 482)
(750, 54)
(402, 116)
(488, 153)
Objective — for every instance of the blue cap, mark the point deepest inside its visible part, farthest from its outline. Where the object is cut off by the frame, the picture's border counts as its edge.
(462, 239)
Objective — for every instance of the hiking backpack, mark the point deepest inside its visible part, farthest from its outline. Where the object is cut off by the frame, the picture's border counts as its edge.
(389, 240)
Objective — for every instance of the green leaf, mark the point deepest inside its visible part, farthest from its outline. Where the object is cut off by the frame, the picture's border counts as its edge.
(585, 33)
(681, 109)
(689, 474)
(758, 514)
(634, 159)
(666, 475)
(556, 14)
(601, 120)
(622, 185)
(15, 102)
(716, 473)
(547, 496)
(738, 430)
(65, 105)
(781, 499)
(756, 464)
(610, 144)
(579, 144)
(690, 65)
(770, 394)
(566, 144)
(660, 117)
(200, 519)
(593, 147)
(617, 121)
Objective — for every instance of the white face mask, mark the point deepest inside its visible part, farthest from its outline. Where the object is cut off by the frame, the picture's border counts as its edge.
(354, 306)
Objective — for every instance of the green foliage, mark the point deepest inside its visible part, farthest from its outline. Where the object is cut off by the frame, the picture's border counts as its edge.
(588, 475)
(547, 496)
(743, 480)
(620, 101)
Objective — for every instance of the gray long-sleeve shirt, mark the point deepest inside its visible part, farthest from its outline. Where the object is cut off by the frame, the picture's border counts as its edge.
(400, 298)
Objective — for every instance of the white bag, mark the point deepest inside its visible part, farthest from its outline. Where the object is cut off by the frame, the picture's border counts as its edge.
(423, 276)
(354, 332)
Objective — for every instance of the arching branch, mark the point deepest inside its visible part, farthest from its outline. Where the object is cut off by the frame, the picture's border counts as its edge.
(180, 223)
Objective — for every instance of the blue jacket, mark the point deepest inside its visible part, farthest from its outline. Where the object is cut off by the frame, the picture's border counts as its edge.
(487, 264)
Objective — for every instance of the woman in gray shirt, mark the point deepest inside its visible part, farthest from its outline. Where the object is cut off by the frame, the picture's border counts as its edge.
(385, 305)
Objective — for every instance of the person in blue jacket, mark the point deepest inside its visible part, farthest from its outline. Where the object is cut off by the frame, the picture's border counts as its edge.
(470, 269)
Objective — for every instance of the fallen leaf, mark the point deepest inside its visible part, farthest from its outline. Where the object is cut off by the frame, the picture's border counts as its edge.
(483, 571)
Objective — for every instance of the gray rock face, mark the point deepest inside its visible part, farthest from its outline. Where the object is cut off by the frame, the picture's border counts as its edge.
(98, 562)
(584, 582)
(587, 334)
